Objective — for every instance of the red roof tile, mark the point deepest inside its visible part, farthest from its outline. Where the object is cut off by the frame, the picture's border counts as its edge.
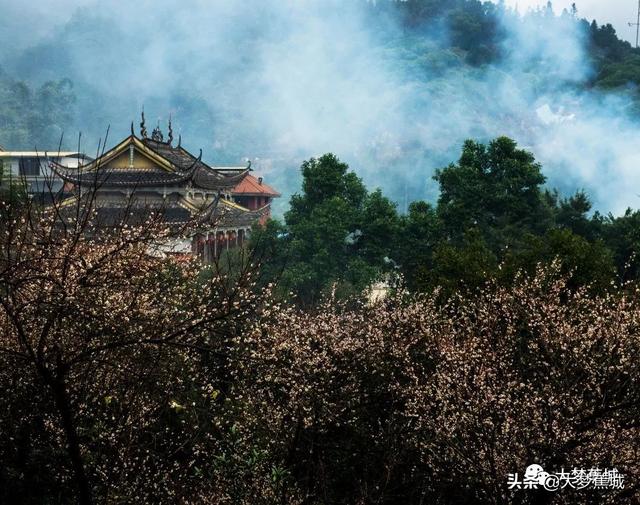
(252, 186)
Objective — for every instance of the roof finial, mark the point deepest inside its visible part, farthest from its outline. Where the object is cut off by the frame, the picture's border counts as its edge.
(156, 134)
(143, 128)
(170, 135)
(249, 166)
(132, 134)
(179, 139)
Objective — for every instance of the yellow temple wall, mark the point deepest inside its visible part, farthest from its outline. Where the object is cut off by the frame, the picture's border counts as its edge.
(139, 161)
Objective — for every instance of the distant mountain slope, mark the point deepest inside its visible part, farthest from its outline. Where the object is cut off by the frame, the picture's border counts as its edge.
(393, 86)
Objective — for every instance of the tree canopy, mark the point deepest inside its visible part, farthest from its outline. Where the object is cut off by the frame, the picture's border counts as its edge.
(34, 117)
(494, 218)
(337, 232)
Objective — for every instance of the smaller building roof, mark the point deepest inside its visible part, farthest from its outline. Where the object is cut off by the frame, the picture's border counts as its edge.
(42, 154)
(251, 186)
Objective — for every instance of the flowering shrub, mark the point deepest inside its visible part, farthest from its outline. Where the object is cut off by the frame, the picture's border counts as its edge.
(103, 346)
(413, 402)
(128, 377)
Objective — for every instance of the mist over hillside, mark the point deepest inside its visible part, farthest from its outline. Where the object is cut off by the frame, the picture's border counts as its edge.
(393, 88)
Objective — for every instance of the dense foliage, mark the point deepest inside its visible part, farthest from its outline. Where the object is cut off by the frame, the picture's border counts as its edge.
(494, 217)
(474, 26)
(336, 231)
(99, 332)
(34, 117)
(410, 401)
(127, 377)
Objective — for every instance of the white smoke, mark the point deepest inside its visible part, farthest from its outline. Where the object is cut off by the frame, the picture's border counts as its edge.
(283, 80)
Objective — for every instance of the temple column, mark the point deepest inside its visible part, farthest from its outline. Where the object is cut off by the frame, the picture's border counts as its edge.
(227, 238)
(215, 243)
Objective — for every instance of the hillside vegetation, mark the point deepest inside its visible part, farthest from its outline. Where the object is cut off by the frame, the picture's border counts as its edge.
(45, 94)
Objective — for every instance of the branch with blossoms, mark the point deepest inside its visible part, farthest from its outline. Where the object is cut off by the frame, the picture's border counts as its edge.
(80, 292)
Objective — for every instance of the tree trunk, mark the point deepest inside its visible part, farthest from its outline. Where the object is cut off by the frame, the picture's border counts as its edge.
(73, 443)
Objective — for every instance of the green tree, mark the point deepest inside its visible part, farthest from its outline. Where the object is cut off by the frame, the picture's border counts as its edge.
(420, 234)
(622, 235)
(463, 267)
(493, 211)
(496, 188)
(572, 213)
(337, 233)
(380, 229)
(34, 117)
(323, 179)
(583, 262)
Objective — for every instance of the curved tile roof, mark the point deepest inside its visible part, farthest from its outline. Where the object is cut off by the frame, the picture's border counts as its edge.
(250, 186)
(171, 166)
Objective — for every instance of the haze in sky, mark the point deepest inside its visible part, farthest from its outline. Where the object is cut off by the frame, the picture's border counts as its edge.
(617, 12)
(279, 81)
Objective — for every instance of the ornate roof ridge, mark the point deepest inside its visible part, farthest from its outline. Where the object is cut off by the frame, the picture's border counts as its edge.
(102, 174)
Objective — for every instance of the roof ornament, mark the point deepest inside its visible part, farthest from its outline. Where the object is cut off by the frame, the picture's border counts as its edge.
(132, 134)
(143, 128)
(249, 166)
(156, 134)
(195, 165)
(170, 135)
(179, 139)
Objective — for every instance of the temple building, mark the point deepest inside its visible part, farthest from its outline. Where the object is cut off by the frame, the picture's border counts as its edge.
(254, 194)
(155, 174)
(31, 168)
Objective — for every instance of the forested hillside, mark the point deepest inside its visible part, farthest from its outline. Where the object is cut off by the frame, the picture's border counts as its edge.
(34, 115)
(394, 87)
(475, 30)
